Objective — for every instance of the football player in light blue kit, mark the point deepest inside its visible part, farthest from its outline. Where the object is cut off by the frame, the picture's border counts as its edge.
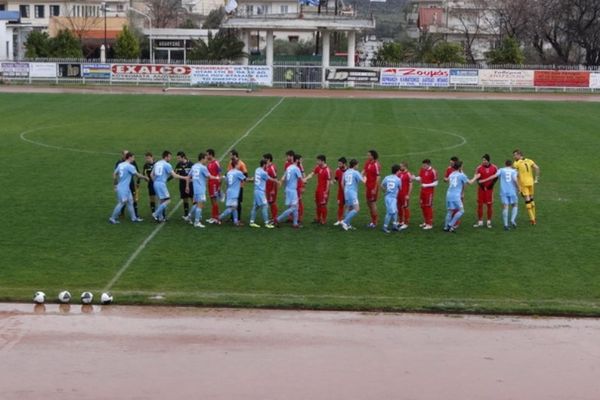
(291, 177)
(122, 179)
(509, 187)
(350, 181)
(234, 178)
(198, 176)
(260, 195)
(391, 185)
(161, 172)
(456, 183)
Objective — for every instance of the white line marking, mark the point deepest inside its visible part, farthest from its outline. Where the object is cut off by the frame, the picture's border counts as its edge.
(50, 146)
(142, 246)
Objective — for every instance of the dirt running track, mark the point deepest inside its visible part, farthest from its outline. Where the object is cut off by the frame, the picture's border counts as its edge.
(118, 352)
(323, 93)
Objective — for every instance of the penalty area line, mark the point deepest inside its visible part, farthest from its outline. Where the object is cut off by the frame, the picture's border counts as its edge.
(156, 230)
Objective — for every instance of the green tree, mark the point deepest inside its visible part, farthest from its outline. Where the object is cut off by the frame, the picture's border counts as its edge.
(300, 48)
(214, 18)
(509, 52)
(391, 52)
(65, 45)
(223, 46)
(445, 53)
(127, 46)
(37, 45)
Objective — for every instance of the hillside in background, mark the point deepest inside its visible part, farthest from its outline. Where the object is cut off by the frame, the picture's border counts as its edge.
(389, 15)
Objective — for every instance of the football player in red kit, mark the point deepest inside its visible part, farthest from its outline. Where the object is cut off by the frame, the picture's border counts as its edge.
(271, 185)
(485, 193)
(429, 180)
(404, 195)
(341, 202)
(371, 171)
(323, 174)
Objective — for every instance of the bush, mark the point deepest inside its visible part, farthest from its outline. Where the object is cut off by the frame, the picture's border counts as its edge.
(127, 46)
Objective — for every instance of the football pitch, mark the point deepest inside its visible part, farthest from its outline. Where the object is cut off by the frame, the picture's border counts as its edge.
(58, 152)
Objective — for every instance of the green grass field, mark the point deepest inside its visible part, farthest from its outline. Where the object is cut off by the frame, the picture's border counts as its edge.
(57, 195)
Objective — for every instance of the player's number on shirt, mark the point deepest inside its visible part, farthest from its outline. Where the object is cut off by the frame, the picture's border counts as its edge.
(454, 181)
(508, 178)
(349, 180)
(230, 179)
(257, 180)
(159, 170)
(391, 186)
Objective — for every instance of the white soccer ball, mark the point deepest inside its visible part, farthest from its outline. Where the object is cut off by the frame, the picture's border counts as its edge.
(106, 298)
(64, 296)
(87, 297)
(39, 297)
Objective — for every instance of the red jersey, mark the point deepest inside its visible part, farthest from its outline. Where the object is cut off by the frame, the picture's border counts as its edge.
(487, 172)
(428, 175)
(300, 181)
(372, 170)
(405, 179)
(272, 172)
(449, 171)
(323, 177)
(287, 164)
(215, 169)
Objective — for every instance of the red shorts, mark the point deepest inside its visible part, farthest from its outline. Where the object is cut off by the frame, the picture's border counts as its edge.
(321, 197)
(403, 200)
(340, 198)
(272, 196)
(426, 199)
(372, 193)
(214, 188)
(485, 196)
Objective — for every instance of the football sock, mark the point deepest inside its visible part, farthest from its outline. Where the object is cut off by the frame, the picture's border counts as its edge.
(386, 220)
(295, 216)
(490, 211)
(225, 213)
(513, 218)
(349, 216)
(131, 209)
(235, 216)
(253, 214)
(285, 214)
(456, 217)
(198, 216)
(449, 215)
(300, 212)
(323, 214)
(480, 211)
(265, 214)
(274, 210)
(117, 211)
(530, 211)
(406, 218)
(505, 216)
(192, 213)
(161, 210)
(186, 208)
(239, 210)
(215, 209)
(340, 213)
(533, 209)
(135, 209)
(153, 206)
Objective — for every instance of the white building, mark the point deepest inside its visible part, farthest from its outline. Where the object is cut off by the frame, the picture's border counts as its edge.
(9, 27)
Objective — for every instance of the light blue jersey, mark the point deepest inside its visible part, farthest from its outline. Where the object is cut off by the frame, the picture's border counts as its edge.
(235, 177)
(124, 171)
(199, 174)
(162, 170)
(260, 180)
(292, 176)
(456, 184)
(351, 180)
(508, 185)
(392, 185)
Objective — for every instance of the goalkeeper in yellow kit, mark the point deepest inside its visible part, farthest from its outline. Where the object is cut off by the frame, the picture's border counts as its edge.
(529, 173)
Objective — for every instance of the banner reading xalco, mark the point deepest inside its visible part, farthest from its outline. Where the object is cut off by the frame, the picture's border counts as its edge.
(415, 77)
(151, 73)
(231, 75)
(352, 75)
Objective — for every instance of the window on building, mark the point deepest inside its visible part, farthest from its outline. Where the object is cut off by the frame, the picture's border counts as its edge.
(120, 8)
(2, 6)
(54, 11)
(283, 9)
(39, 11)
(293, 39)
(24, 10)
(250, 9)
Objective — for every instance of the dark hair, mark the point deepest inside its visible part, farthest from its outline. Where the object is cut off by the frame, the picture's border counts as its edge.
(235, 153)
(508, 163)
(321, 157)
(454, 159)
(395, 169)
(457, 165)
(166, 153)
(263, 162)
(517, 151)
(486, 157)
(290, 153)
(210, 152)
(343, 160)
(128, 155)
(181, 153)
(353, 163)
(201, 156)
(268, 156)
(427, 161)
(374, 154)
(234, 163)
(148, 154)
(297, 157)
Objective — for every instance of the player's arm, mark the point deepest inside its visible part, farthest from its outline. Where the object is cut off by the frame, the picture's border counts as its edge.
(177, 176)
(115, 179)
(536, 169)
(430, 185)
(141, 176)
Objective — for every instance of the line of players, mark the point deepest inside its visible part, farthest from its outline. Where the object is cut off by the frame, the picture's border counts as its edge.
(515, 177)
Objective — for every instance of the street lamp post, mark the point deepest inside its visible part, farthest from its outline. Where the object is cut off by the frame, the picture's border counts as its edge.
(149, 28)
(104, 9)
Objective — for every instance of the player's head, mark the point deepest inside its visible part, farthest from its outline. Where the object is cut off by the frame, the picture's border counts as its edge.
(290, 155)
(403, 165)
(263, 163)
(166, 155)
(353, 163)
(485, 160)
(234, 163)
(181, 156)
(453, 159)
(517, 154)
(149, 157)
(321, 159)
(211, 154)
(508, 163)
(426, 163)
(342, 162)
(457, 165)
(129, 157)
(123, 153)
(202, 157)
(395, 169)
(268, 157)
(372, 155)
(234, 154)
(298, 159)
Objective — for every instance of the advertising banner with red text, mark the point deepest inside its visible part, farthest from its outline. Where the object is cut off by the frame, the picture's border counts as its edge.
(151, 73)
(562, 79)
(415, 77)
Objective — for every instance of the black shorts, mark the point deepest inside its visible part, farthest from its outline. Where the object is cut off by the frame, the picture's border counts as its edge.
(151, 191)
(241, 197)
(185, 195)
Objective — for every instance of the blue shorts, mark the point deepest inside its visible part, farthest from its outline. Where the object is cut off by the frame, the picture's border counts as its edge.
(391, 205)
(124, 195)
(231, 202)
(454, 204)
(291, 197)
(199, 197)
(161, 190)
(351, 199)
(508, 199)
(260, 199)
